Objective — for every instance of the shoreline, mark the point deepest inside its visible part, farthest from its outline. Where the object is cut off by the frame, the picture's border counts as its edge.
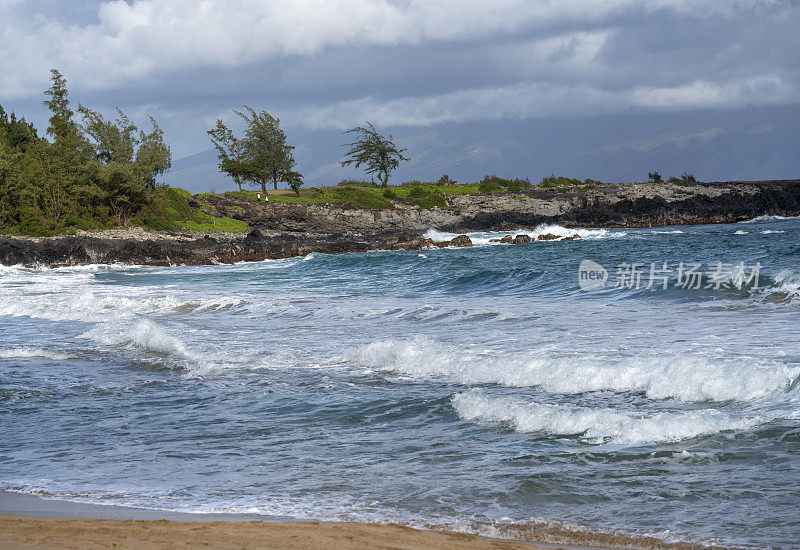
(38, 521)
(288, 230)
(32, 521)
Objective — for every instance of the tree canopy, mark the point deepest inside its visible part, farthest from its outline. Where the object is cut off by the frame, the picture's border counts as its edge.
(94, 173)
(261, 156)
(378, 153)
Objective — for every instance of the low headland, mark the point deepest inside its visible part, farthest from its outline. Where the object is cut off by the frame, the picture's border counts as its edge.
(357, 217)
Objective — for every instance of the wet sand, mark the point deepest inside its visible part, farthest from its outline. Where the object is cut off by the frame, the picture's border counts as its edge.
(37, 532)
(28, 521)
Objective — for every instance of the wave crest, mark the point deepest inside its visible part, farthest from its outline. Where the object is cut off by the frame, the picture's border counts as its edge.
(684, 378)
(595, 425)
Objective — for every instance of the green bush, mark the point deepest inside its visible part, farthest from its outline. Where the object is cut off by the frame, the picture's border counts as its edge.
(685, 179)
(558, 181)
(417, 192)
(358, 197)
(389, 194)
(429, 201)
(493, 183)
(168, 210)
(357, 183)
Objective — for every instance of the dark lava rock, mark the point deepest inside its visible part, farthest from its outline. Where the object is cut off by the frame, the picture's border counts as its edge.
(575, 236)
(507, 239)
(548, 237)
(254, 235)
(461, 241)
(522, 239)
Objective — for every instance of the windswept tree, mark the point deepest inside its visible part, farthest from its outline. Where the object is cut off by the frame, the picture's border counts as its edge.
(229, 151)
(131, 159)
(378, 153)
(261, 156)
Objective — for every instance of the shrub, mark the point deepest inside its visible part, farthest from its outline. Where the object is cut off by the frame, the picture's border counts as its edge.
(357, 183)
(488, 186)
(389, 194)
(168, 209)
(359, 197)
(492, 183)
(424, 197)
(685, 179)
(429, 201)
(444, 180)
(558, 181)
(654, 177)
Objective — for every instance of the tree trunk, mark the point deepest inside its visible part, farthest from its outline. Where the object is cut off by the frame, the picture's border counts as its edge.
(239, 183)
(264, 187)
(275, 183)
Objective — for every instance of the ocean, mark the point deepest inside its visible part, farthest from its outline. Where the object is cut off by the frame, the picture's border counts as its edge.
(483, 389)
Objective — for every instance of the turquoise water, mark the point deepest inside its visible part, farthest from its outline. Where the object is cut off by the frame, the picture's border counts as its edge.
(467, 388)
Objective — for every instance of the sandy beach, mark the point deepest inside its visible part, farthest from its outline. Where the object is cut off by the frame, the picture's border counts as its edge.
(29, 521)
(33, 532)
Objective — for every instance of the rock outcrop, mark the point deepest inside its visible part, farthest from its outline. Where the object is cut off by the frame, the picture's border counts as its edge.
(283, 230)
(618, 205)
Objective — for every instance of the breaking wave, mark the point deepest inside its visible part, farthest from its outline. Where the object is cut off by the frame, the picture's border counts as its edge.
(485, 238)
(596, 425)
(684, 378)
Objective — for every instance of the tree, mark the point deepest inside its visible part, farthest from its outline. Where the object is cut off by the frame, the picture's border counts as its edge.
(378, 153)
(295, 180)
(655, 177)
(229, 151)
(115, 142)
(265, 155)
(154, 156)
(61, 124)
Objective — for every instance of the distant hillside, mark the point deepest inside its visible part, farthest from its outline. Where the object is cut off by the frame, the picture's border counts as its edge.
(714, 145)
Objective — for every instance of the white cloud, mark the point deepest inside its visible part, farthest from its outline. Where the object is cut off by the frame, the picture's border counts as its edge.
(147, 37)
(758, 90)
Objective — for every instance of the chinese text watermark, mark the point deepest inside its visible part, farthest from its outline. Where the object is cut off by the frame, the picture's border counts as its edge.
(662, 275)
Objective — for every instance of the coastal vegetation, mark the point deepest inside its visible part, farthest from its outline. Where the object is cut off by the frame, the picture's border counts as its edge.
(261, 156)
(88, 172)
(377, 152)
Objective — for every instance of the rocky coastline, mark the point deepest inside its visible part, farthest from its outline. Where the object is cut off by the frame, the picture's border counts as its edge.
(285, 230)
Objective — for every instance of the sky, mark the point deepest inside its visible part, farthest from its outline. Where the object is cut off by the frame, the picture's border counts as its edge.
(606, 89)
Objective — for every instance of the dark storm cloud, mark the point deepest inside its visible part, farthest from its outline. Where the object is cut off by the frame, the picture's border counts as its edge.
(415, 64)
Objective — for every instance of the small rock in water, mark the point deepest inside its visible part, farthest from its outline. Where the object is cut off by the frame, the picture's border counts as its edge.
(522, 239)
(507, 239)
(461, 241)
(575, 236)
(548, 237)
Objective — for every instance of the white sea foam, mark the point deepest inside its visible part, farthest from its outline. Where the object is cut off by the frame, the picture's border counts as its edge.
(27, 352)
(681, 377)
(596, 425)
(142, 334)
(772, 231)
(787, 285)
(768, 219)
(741, 232)
(484, 238)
